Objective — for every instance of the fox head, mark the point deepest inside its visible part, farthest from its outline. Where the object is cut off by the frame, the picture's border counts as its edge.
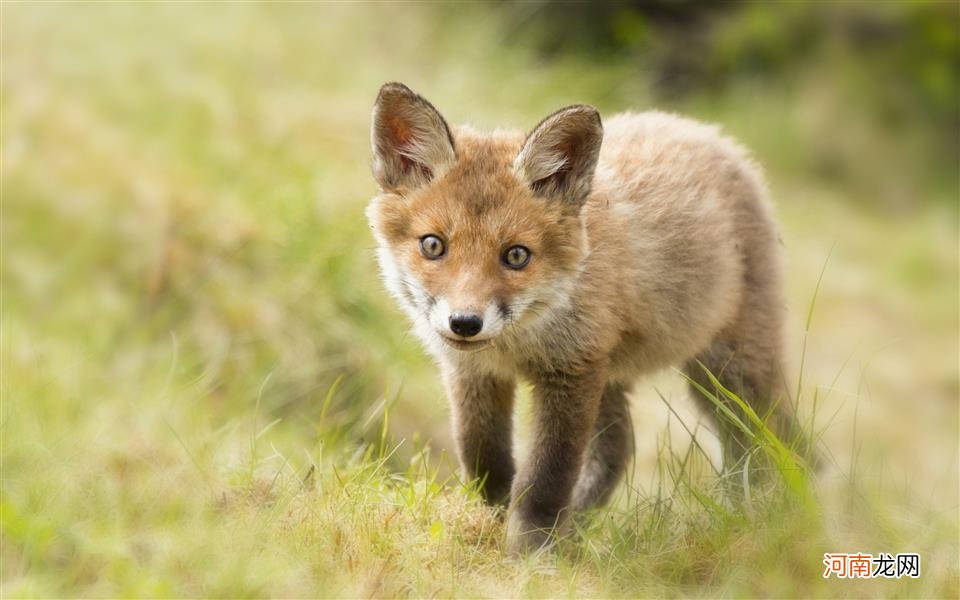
(480, 235)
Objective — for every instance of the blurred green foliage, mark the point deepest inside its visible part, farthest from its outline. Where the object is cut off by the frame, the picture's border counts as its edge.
(693, 45)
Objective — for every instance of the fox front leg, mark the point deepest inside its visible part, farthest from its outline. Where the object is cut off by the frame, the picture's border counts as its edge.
(565, 411)
(481, 406)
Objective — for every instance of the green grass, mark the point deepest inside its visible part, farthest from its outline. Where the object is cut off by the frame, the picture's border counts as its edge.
(205, 391)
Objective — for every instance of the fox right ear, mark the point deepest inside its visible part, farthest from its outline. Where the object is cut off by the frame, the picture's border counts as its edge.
(560, 154)
(411, 142)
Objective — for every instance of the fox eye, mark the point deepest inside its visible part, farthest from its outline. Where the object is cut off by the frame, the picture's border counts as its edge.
(516, 257)
(432, 247)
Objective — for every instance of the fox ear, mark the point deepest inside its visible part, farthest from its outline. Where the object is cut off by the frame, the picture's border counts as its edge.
(560, 154)
(411, 141)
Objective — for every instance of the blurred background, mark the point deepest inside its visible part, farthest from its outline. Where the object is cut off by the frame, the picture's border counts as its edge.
(184, 246)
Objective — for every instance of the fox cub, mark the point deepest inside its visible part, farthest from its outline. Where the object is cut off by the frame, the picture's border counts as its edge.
(577, 257)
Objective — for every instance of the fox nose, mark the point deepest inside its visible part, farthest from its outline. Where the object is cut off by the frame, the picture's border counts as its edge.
(465, 325)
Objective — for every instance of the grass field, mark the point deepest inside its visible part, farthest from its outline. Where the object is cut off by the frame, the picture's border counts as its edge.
(206, 392)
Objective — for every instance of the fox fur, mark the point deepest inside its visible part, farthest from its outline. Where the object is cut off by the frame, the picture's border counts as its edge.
(651, 243)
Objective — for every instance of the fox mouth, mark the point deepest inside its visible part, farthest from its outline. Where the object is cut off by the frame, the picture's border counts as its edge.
(466, 345)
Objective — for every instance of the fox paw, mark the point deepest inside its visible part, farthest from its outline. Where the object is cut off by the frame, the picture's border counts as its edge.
(525, 538)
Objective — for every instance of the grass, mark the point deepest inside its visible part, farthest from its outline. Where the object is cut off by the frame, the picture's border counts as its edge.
(206, 392)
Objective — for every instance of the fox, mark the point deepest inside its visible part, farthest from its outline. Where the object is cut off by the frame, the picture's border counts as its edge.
(578, 257)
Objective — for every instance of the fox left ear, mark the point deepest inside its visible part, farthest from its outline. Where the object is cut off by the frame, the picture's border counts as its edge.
(411, 141)
(559, 156)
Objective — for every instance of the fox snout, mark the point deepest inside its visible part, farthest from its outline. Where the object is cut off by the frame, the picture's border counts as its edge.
(466, 324)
